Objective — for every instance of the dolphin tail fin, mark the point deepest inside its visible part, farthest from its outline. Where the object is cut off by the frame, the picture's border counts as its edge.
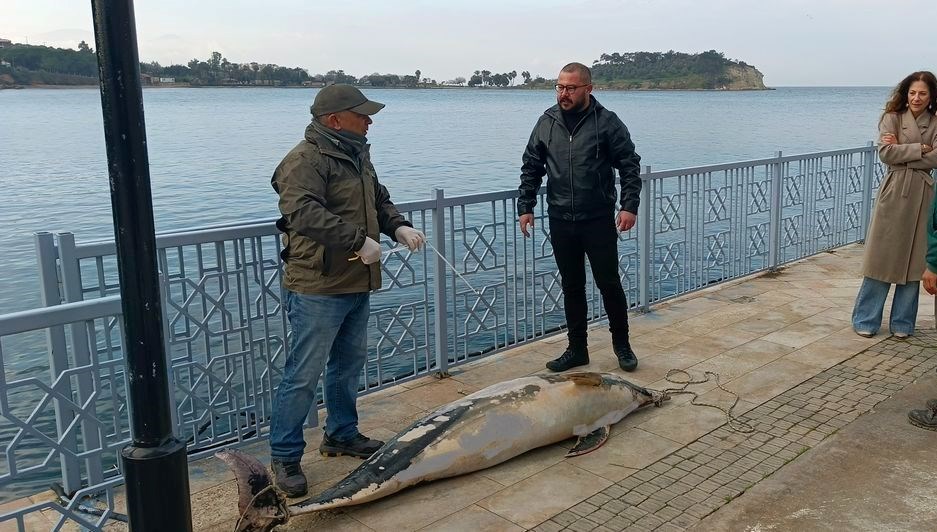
(260, 505)
(589, 442)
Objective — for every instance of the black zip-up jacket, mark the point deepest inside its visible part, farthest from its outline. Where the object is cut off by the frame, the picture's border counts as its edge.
(581, 165)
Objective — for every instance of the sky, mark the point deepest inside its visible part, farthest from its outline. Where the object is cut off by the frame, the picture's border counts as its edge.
(792, 42)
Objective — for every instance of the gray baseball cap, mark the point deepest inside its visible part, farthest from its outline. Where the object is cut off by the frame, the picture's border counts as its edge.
(340, 97)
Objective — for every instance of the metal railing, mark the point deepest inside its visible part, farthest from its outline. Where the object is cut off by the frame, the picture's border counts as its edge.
(62, 407)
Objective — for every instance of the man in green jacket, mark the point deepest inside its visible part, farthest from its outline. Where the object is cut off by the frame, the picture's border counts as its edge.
(333, 209)
(927, 418)
(578, 144)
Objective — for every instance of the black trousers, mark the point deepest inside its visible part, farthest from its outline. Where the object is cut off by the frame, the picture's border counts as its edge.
(572, 243)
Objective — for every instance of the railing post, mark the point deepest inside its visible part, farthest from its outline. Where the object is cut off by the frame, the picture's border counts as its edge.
(441, 274)
(58, 360)
(868, 172)
(71, 289)
(162, 267)
(774, 224)
(645, 228)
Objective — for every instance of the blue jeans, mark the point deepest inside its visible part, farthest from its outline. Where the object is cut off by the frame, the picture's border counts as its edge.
(870, 302)
(329, 332)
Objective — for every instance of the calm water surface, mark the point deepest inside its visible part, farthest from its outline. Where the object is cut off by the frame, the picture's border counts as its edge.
(212, 150)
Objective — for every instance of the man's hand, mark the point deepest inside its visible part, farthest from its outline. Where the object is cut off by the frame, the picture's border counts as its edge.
(370, 252)
(929, 280)
(626, 220)
(889, 138)
(410, 237)
(527, 220)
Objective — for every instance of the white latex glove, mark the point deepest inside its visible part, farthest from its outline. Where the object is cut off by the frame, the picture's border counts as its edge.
(370, 252)
(410, 237)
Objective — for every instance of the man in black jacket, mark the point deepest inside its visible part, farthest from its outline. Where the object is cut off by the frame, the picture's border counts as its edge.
(578, 144)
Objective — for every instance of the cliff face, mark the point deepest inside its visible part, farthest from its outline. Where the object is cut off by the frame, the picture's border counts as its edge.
(671, 70)
(744, 78)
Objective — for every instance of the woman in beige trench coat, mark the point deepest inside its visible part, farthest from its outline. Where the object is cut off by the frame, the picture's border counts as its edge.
(897, 237)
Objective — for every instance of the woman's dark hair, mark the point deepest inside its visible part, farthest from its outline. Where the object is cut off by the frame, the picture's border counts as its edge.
(899, 97)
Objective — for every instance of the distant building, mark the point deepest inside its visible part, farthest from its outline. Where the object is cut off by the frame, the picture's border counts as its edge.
(167, 80)
(5, 43)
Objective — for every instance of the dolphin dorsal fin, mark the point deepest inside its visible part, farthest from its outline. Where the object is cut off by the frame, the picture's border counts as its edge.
(585, 379)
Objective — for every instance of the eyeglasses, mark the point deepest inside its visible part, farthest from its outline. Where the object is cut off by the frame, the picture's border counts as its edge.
(569, 88)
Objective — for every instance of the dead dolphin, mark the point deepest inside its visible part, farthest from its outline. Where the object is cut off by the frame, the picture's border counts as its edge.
(478, 431)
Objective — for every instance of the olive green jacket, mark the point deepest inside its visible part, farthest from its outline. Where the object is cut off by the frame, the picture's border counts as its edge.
(329, 203)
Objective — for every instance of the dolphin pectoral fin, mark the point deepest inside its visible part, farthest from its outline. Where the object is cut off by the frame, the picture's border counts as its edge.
(589, 442)
(260, 506)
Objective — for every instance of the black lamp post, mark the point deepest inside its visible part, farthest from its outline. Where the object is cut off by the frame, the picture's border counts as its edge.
(154, 464)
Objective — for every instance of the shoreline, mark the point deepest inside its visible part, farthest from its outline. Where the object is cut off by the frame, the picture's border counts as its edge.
(429, 87)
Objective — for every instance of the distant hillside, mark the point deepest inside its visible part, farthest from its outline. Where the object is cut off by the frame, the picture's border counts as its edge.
(674, 70)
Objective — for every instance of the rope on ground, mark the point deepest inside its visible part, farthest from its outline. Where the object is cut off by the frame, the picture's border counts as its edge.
(281, 506)
(733, 421)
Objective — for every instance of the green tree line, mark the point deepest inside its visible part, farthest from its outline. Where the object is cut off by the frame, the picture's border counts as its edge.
(28, 64)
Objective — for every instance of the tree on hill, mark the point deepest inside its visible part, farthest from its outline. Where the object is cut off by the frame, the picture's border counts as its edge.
(706, 70)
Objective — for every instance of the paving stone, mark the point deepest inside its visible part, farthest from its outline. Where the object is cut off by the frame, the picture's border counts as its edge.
(774, 462)
(619, 523)
(644, 475)
(651, 505)
(582, 525)
(634, 513)
(615, 506)
(696, 495)
(664, 495)
(646, 489)
(634, 498)
(583, 508)
(599, 499)
(692, 479)
(684, 521)
(667, 513)
(698, 511)
(681, 503)
(601, 516)
(649, 521)
(615, 491)
(680, 488)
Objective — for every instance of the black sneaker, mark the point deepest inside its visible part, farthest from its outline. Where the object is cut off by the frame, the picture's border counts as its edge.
(570, 358)
(289, 478)
(626, 359)
(360, 446)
